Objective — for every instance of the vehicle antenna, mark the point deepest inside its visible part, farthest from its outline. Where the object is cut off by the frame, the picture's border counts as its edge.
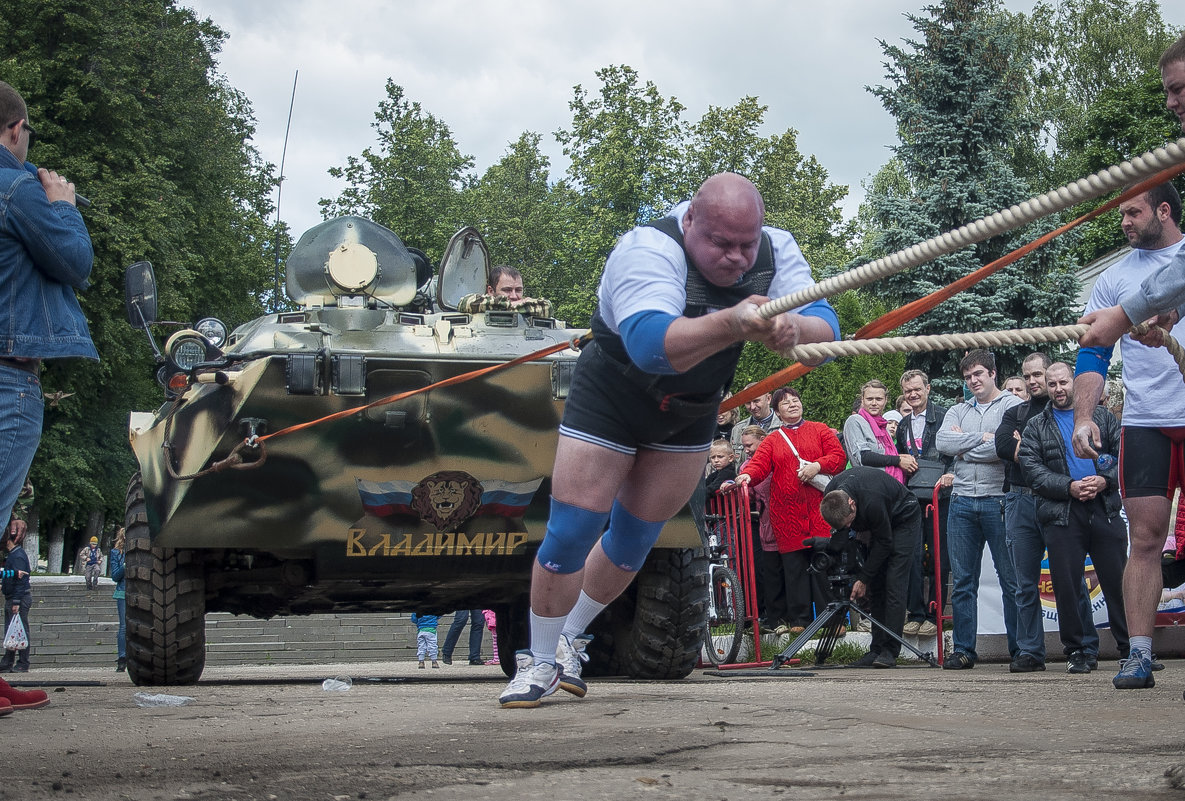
(279, 192)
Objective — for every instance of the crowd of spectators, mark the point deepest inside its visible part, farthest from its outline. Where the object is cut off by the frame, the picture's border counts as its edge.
(1002, 468)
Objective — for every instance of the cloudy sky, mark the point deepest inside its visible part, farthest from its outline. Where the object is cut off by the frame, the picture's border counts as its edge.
(492, 69)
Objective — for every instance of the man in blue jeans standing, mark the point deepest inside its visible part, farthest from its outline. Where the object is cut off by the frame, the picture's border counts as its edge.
(968, 436)
(45, 255)
(476, 622)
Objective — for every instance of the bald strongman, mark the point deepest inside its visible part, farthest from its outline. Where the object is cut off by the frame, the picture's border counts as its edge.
(677, 300)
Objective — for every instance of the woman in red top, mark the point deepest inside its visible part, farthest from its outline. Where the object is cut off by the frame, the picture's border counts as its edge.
(794, 503)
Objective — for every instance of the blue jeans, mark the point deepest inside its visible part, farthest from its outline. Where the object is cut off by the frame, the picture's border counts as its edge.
(121, 638)
(21, 410)
(476, 629)
(1026, 545)
(973, 523)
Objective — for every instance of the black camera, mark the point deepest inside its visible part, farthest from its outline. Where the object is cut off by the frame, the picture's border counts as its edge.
(838, 557)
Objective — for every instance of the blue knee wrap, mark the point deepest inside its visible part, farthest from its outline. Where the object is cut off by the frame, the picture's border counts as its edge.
(629, 539)
(571, 534)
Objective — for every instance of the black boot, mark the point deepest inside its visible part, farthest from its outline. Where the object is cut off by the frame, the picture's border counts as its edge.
(121, 664)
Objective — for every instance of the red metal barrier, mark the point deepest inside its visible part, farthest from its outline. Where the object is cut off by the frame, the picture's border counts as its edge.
(936, 556)
(736, 530)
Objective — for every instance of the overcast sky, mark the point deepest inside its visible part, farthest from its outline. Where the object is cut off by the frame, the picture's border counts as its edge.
(495, 68)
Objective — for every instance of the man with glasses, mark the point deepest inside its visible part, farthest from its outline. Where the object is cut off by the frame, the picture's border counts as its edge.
(968, 436)
(45, 254)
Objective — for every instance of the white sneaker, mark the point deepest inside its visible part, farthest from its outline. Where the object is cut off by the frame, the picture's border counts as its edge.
(568, 655)
(927, 629)
(533, 681)
(911, 628)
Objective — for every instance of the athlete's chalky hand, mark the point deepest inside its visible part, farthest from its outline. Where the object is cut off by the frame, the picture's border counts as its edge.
(1087, 440)
(747, 322)
(1106, 327)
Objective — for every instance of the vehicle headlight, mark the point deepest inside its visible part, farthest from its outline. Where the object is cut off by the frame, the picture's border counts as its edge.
(188, 348)
(213, 329)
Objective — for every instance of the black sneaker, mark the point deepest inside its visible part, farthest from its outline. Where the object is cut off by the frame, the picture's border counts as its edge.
(957, 660)
(1026, 663)
(1078, 662)
(448, 660)
(476, 662)
(1092, 660)
(884, 661)
(866, 661)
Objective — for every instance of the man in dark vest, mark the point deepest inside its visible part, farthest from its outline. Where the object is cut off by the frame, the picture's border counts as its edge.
(676, 302)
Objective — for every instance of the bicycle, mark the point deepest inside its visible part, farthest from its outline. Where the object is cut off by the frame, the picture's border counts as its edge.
(726, 603)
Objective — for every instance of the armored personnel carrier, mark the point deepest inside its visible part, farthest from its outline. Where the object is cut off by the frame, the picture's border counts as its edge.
(434, 501)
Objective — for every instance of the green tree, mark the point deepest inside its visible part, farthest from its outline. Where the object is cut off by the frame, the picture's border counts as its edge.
(724, 140)
(955, 95)
(1074, 52)
(413, 182)
(128, 103)
(799, 199)
(520, 214)
(1121, 123)
(624, 150)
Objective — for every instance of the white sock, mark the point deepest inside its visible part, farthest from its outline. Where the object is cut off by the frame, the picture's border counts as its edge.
(1140, 644)
(581, 615)
(545, 636)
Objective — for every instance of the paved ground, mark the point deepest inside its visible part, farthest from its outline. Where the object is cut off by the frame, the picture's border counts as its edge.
(910, 733)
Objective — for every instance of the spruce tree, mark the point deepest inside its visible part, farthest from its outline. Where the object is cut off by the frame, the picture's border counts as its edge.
(955, 95)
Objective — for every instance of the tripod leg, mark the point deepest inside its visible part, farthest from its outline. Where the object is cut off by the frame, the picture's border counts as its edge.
(834, 612)
(925, 657)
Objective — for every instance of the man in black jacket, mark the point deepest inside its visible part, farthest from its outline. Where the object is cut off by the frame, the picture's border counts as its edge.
(868, 499)
(915, 436)
(1024, 537)
(1078, 507)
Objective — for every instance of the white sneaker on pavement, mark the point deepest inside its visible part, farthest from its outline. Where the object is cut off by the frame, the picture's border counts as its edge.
(533, 681)
(568, 655)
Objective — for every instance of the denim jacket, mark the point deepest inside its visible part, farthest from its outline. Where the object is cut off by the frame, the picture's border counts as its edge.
(45, 254)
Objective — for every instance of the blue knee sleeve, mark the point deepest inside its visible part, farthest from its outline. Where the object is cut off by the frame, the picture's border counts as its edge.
(629, 539)
(571, 534)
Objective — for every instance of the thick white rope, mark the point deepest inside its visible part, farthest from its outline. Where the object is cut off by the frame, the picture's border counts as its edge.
(929, 342)
(982, 339)
(1100, 183)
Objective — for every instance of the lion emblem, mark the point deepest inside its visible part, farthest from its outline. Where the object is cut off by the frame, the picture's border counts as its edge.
(446, 499)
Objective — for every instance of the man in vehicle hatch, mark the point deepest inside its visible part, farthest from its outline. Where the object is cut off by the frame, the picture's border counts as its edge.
(505, 293)
(677, 300)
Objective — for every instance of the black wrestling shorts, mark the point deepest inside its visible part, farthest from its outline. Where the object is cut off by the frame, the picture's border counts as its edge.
(606, 408)
(1151, 461)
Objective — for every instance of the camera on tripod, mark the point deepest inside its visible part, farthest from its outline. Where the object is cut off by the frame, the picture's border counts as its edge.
(837, 557)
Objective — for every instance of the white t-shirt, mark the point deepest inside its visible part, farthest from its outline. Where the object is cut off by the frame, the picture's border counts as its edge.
(1155, 389)
(647, 272)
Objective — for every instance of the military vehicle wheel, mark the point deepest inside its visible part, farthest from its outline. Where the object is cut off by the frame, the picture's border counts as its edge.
(512, 625)
(166, 604)
(655, 629)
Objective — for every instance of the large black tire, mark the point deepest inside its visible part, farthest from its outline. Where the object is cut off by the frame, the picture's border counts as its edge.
(166, 604)
(725, 628)
(512, 625)
(655, 630)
